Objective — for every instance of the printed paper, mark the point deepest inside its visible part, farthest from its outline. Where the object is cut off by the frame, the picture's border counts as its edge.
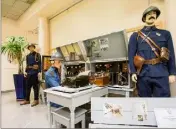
(95, 46)
(112, 110)
(165, 117)
(139, 111)
(104, 43)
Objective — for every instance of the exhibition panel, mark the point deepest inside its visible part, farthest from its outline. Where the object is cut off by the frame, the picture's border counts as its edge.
(139, 112)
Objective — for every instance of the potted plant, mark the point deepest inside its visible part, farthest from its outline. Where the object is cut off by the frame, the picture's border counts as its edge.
(14, 48)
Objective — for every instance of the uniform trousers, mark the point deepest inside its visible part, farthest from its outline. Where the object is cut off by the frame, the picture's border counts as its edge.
(32, 81)
(153, 86)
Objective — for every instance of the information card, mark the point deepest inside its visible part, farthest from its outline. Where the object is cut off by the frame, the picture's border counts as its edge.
(165, 117)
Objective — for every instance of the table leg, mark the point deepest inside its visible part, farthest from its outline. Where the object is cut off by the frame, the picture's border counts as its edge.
(127, 94)
(42, 95)
(72, 116)
(83, 122)
(49, 114)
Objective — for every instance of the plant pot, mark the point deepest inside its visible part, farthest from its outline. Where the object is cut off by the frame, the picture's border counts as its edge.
(20, 86)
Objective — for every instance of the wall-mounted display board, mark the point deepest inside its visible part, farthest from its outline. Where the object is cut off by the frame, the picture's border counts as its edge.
(110, 47)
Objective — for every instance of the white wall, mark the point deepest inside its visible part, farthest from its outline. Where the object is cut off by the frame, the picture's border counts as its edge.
(11, 28)
(93, 18)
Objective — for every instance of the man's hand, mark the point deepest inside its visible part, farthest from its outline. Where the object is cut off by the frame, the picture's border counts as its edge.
(39, 76)
(57, 66)
(172, 78)
(134, 78)
(25, 74)
(35, 66)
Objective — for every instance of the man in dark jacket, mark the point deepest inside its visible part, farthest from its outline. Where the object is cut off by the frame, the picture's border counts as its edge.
(155, 75)
(33, 70)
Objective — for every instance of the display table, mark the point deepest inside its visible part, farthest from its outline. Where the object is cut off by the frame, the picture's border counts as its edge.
(73, 100)
(131, 111)
(42, 87)
(104, 126)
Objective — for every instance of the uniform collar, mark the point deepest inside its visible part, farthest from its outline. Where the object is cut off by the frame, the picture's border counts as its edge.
(32, 52)
(149, 28)
(54, 68)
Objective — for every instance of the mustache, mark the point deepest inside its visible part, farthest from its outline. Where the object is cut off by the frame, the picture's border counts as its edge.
(152, 17)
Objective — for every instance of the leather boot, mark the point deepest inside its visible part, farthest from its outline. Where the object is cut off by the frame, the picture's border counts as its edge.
(25, 102)
(35, 103)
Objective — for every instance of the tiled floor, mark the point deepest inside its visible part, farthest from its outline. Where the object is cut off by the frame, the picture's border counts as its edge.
(16, 116)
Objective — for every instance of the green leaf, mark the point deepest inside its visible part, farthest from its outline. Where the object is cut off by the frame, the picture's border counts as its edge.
(14, 48)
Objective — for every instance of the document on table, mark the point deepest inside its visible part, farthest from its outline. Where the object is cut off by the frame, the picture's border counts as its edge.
(111, 110)
(165, 117)
(139, 111)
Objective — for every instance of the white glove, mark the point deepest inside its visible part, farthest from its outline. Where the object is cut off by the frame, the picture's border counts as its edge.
(134, 78)
(25, 74)
(39, 76)
(172, 78)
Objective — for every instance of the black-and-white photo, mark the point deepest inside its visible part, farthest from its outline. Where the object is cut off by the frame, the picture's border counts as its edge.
(95, 46)
(104, 43)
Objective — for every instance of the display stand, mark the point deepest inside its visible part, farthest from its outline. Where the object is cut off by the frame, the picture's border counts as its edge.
(127, 119)
(73, 100)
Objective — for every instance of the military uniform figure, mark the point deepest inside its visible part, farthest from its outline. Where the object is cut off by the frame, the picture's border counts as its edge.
(53, 74)
(153, 79)
(33, 70)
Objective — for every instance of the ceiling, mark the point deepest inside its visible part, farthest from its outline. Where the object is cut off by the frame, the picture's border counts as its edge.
(43, 8)
(13, 9)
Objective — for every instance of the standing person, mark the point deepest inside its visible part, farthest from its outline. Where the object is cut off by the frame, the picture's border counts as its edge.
(33, 70)
(53, 74)
(151, 65)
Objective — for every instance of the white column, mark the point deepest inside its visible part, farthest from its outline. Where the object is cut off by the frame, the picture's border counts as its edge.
(44, 44)
(170, 8)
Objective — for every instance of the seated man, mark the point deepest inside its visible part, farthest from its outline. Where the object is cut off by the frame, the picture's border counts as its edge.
(52, 76)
